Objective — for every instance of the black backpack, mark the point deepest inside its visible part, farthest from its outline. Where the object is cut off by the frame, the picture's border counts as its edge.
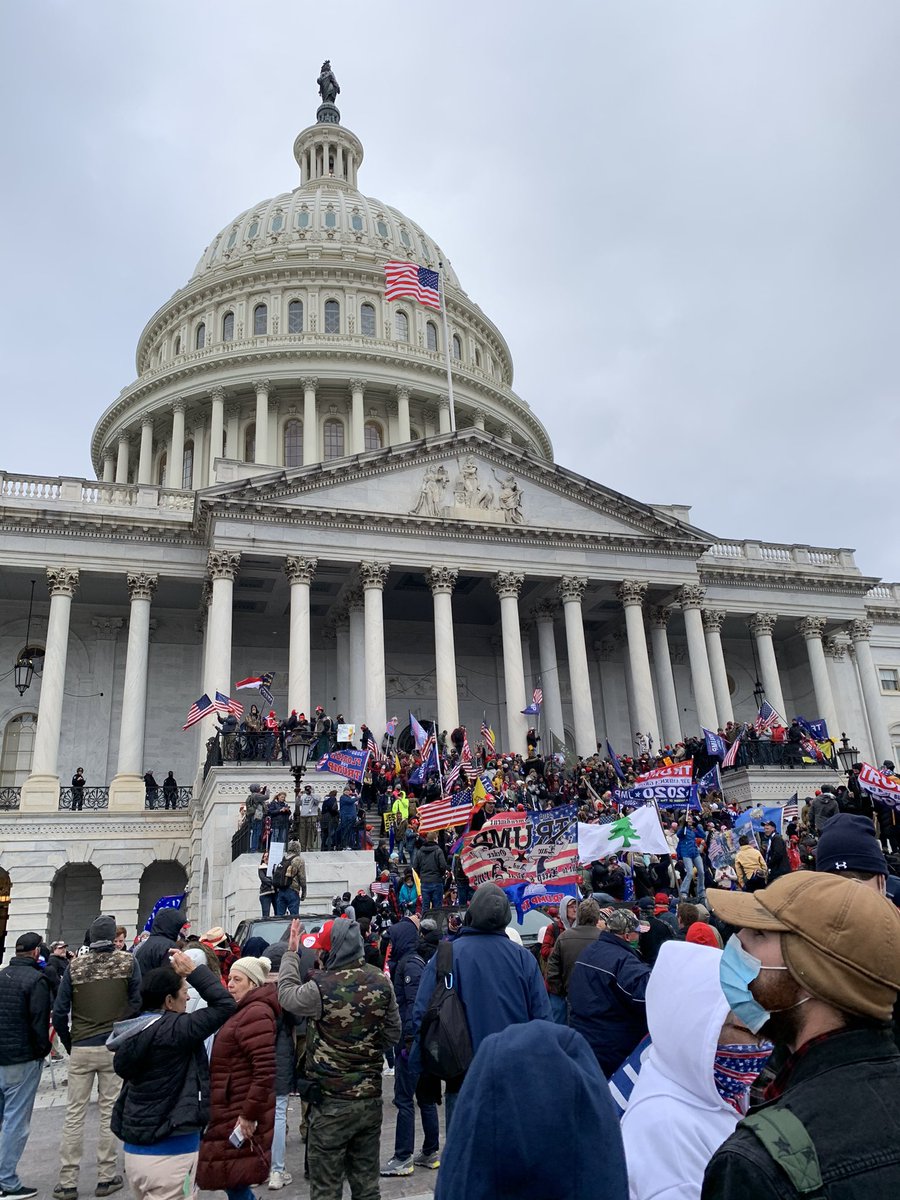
(280, 875)
(444, 1039)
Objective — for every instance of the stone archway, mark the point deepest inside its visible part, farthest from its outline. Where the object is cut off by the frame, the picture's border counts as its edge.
(165, 877)
(75, 901)
(5, 886)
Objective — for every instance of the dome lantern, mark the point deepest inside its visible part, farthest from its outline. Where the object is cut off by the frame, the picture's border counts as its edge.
(327, 151)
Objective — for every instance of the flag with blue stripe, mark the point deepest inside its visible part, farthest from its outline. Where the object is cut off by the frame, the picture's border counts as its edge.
(715, 744)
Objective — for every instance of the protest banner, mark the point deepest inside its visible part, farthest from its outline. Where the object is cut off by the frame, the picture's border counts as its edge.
(883, 788)
(524, 847)
(668, 787)
(351, 764)
(639, 831)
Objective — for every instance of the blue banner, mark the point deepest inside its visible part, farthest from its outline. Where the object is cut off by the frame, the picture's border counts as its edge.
(351, 764)
(429, 764)
(526, 896)
(715, 744)
(711, 781)
(755, 817)
(816, 730)
(614, 759)
(666, 795)
(164, 902)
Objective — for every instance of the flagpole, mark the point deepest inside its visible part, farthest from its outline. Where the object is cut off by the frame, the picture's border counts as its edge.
(447, 347)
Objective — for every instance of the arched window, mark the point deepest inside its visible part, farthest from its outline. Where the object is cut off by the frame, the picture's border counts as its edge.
(457, 346)
(374, 439)
(477, 357)
(293, 444)
(187, 465)
(250, 443)
(367, 320)
(260, 319)
(161, 472)
(178, 343)
(414, 434)
(401, 324)
(431, 341)
(295, 316)
(18, 747)
(332, 316)
(200, 336)
(334, 438)
(228, 327)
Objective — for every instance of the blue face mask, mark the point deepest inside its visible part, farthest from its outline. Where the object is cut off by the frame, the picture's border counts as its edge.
(737, 970)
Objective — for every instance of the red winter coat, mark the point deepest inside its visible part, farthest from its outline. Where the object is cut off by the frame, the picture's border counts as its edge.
(242, 1084)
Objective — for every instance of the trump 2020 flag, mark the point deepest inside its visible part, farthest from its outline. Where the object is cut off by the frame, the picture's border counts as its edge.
(638, 831)
(711, 781)
(164, 902)
(883, 788)
(715, 744)
(754, 819)
(614, 759)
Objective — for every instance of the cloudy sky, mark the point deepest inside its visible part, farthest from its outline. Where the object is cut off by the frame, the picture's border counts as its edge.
(682, 214)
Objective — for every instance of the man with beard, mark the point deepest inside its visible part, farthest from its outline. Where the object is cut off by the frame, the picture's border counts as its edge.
(814, 967)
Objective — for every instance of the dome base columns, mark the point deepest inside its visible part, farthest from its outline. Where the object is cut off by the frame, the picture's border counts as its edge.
(261, 449)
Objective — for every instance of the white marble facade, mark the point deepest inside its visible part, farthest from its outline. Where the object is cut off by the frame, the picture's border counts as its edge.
(287, 487)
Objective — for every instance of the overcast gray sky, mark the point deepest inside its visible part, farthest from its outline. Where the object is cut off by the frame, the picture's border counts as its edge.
(682, 214)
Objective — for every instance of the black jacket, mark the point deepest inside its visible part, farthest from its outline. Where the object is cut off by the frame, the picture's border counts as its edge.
(776, 857)
(163, 932)
(431, 863)
(164, 1065)
(844, 1089)
(25, 997)
(607, 987)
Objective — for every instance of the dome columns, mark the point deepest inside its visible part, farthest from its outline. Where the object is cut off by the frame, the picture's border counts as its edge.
(216, 431)
(122, 458)
(310, 421)
(109, 466)
(175, 461)
(357, 416)
(444, 414)
(403, 431)
(261, 454)
(145, 461)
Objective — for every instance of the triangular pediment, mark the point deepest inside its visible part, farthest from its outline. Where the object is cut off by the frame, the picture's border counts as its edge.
(466, 478)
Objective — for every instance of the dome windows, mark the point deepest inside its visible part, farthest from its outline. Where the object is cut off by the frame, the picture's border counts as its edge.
(331, 219)
(260, 320)
(232, 239)
(405, 239)
(333, 435)
(228, 327)
(382, 229)
(332, 316)
(374, 438)
(367, 320)
(477, 357)
(250, 442)
(293, 444)
(161, 470)
(356, 223)
(253, 231)
(178, 343)
(278, 222)
(303, 218)
(295, 316)
(457, 347)
(431, 338)
(200, 336)
(187, 465)
(401, 325)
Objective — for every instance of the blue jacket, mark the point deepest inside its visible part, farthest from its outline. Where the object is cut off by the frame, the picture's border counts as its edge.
(534, 1118)
(406, 986)
(687, 841)
(347, 808)
(498, 982)
(606, 994)
(403, 937)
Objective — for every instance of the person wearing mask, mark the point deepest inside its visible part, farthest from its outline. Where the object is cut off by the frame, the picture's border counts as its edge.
(242, 1087)
(694, 1082)
(98, 988)
(569, 946)
(607, 989)
(814, 967)
(160, 1056)
(408, 896)
(25, 1000)
(164, 933)
(570, 1149)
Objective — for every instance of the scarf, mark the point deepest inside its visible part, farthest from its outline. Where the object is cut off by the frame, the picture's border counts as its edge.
(734, 1069)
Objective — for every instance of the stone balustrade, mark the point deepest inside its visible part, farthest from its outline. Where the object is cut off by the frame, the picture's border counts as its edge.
(24, 491)
(777, 554)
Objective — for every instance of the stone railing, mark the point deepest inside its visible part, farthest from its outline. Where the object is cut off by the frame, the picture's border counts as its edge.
(777, 554)
(884, 593)
(28, 490)
(9, 798)
(90, 798)
(161, 802)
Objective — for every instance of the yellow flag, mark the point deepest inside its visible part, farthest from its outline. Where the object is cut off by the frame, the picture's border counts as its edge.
(397, 767)
(479, 793)
(418, 882)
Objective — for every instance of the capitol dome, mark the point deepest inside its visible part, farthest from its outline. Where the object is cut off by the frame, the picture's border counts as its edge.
(282, 351)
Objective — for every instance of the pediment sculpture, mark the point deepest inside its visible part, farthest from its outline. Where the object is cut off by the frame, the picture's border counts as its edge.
(472, 497)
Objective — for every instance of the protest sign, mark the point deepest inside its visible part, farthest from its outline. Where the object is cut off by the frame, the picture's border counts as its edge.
(524, 847)
(351, 764)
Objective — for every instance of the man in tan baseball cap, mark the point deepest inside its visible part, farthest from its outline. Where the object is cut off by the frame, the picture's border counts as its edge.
(815, 966)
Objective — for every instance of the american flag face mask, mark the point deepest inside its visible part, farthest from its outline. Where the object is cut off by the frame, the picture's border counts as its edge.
(734, 1069)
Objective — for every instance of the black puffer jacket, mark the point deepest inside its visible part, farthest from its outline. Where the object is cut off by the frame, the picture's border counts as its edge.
(24, 1012)
(431, 863)
(163, 1062)
(163, 933)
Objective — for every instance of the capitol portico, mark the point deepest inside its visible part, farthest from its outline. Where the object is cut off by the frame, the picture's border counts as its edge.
(288, 487)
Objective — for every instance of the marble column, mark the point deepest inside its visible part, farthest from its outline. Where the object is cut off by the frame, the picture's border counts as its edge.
(444, 414)
(690, 597)
(665, 678)
(109, 467)
(860, 630)
(712, 628)
(122, 455)
(261, 449)
(631, 593)
(507, 585)
(300, 571)
(41, 789)
(216, 432)
(544, 615)
(762, 625)
(356, 608)
(478, 417)
(145, 459)
(845, 689)
(310, 421)
(197, 476)
(373, 576)
(571, 593)
(812, 629)
(127, 792)
(342, 654)
(442, 581)
(357, 419)
(403, 434)
(232, 430)
(175, 467)
(222, 567)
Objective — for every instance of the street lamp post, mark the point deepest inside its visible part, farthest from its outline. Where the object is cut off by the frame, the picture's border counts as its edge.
(849, 755)
(298, 746)
(759, 694)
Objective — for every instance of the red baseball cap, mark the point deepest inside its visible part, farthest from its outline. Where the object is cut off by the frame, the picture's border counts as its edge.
(320, 940)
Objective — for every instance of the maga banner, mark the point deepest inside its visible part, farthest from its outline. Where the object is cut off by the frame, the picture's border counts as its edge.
(524, 847)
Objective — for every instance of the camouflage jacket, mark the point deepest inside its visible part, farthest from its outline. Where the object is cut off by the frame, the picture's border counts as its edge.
(353, 1018)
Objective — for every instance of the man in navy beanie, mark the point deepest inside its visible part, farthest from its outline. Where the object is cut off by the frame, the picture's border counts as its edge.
(848, 845)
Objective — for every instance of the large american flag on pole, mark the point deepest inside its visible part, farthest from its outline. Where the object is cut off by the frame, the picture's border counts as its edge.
(767, 717)
(201, 708)
(449, 810)
(226, 704)
(731, 757)
(407, 279)
(487, 735)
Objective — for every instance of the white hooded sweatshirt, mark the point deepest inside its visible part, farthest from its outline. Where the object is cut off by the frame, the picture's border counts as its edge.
(676, 1119)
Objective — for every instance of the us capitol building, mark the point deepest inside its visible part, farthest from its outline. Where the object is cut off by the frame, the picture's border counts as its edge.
(284, 488)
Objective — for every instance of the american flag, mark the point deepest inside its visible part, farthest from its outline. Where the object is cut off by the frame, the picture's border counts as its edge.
(406, 279)
(731, 757)
(488, 735)
(449, 810)
(537, 697)
(453, 774)
(766, 718)
(466, 752)
(201, 708)
(372, 745)
(226, 704)
(792, 810)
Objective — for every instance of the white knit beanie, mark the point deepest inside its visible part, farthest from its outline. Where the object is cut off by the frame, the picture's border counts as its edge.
(256, 969)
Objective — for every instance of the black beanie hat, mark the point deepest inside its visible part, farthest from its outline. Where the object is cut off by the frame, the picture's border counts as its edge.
(849, 843)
